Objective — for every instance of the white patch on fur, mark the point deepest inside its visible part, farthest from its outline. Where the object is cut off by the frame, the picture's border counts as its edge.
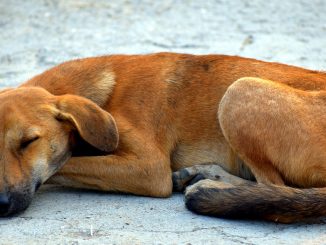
(101, 88)
(171, 80)
(40, 169)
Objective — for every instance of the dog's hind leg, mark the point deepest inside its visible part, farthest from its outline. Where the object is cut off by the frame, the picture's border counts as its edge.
(250, 123)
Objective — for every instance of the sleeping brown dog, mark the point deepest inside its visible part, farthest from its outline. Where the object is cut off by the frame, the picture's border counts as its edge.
(126, 122)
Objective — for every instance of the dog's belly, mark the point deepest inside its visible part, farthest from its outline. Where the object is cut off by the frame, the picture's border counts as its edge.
(186, 155)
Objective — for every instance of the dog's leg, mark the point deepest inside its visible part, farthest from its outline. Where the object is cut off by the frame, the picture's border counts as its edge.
(249, 123)
(148, 177)
(264, 172)
(191, 175)
(137, 166)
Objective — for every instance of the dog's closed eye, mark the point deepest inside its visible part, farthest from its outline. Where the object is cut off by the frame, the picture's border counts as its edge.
(26, 142)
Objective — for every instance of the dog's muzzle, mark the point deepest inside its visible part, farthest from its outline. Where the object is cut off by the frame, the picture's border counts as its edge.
(14, 202)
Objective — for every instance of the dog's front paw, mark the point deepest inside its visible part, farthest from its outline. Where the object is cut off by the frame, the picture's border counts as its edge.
(191, 175)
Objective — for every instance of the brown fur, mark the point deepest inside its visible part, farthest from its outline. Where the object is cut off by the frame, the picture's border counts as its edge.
(283, 127)
(164, 109)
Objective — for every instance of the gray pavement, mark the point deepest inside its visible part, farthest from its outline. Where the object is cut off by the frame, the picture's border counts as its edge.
(37, 34)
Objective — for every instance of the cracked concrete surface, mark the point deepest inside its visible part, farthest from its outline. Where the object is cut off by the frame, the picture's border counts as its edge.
(38, 34)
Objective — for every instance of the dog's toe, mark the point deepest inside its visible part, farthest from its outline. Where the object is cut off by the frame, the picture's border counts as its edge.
(191, 175)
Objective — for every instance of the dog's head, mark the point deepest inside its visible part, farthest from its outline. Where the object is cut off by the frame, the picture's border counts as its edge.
(37, 131)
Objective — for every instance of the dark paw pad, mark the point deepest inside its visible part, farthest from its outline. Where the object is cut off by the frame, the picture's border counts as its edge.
(180, 179)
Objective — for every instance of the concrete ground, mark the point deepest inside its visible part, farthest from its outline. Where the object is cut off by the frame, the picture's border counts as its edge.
(38, 34)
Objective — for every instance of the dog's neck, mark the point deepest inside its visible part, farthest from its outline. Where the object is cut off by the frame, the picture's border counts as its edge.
(78, 77)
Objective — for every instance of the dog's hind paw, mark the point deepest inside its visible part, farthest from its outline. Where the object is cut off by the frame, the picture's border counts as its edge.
(191, 175)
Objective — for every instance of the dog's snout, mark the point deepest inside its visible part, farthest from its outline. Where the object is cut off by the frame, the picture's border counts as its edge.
(4, 203)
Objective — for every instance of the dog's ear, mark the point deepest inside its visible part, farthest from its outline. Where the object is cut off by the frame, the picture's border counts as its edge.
(95, 125)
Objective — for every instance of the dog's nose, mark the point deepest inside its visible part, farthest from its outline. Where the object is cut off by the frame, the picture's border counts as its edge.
(4, 203)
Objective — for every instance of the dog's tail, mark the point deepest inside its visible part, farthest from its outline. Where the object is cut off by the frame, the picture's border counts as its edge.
(256, 201)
